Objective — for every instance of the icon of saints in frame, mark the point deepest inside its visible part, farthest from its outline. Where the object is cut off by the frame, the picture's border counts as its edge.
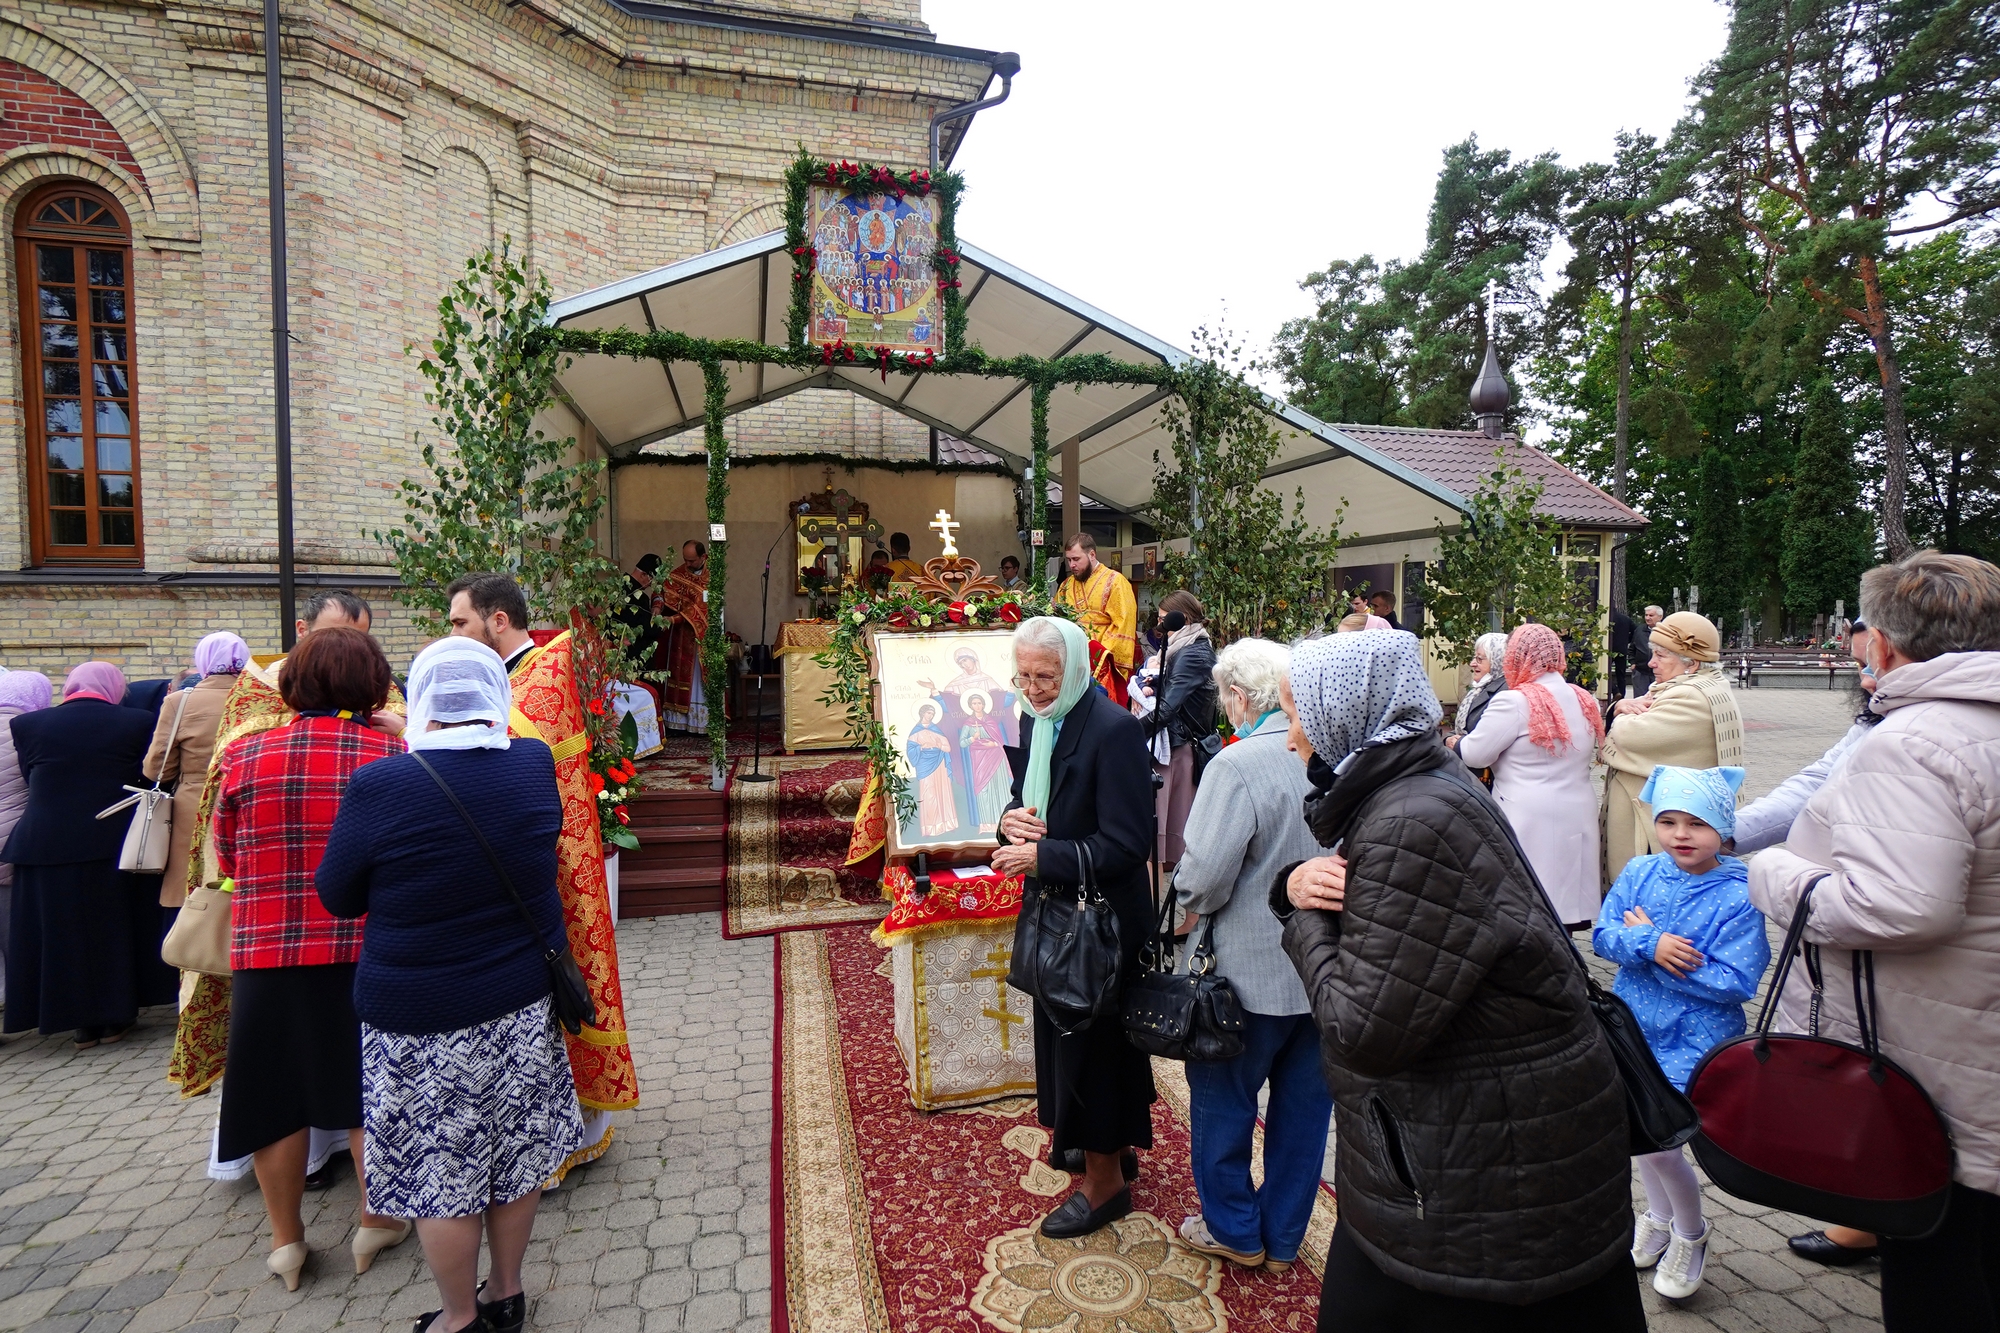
(952, 714)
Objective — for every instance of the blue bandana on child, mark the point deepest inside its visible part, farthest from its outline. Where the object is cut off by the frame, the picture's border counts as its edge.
(1709, 794)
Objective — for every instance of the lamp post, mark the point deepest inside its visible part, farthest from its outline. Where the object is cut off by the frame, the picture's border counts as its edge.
(281, 333)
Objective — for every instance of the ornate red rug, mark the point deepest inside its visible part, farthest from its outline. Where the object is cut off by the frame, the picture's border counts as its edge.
(889, 1220)
(788, 847)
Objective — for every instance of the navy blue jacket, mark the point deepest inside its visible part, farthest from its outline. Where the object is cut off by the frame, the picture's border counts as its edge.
(445, 946)
(77, 758)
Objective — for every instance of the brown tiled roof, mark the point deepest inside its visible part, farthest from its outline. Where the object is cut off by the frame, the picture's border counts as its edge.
(1460, 458)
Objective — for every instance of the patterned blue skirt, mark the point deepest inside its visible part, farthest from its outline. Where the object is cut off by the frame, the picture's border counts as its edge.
(457, 1122)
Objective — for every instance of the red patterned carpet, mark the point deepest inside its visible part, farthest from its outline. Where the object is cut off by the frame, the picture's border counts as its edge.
(788, 847)
(889, 1220)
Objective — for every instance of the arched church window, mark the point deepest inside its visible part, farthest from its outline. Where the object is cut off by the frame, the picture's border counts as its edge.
(73, 258)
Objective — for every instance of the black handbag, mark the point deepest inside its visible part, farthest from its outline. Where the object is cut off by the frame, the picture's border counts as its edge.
(1192, 1015)
(569, 998)
(1658, 1114)
(1067, 954)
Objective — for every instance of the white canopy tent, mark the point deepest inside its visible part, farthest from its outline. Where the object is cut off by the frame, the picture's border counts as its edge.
(1105, 435)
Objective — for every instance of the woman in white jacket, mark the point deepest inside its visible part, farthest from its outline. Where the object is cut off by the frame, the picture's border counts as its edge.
(1902, 846)
(1538, 736)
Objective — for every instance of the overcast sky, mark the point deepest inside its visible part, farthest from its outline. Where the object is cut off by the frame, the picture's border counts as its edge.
(1168, 161)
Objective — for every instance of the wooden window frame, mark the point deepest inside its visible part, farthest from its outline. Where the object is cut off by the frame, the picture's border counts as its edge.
(30, 234)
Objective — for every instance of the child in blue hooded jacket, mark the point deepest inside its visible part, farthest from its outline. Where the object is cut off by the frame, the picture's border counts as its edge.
(1690, 950)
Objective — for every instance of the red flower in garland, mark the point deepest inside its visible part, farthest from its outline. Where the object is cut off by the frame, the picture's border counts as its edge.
(955, 613)
(596, 708)
(1010, 613)
(948, 256)
(902, 619)
(596, 783)
(623, 818)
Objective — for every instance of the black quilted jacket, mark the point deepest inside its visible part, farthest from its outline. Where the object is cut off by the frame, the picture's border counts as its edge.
(1480, 1124)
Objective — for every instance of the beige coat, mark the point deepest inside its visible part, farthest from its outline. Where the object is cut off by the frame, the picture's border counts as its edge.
(1909, 826)
(1692, 724)
(185, 751)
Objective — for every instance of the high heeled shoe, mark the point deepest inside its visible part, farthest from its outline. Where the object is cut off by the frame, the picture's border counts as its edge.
(371, 1241)
(286, 1261)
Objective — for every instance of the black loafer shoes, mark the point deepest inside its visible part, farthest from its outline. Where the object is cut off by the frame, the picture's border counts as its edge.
(1816, 1246)
(1077, 1218)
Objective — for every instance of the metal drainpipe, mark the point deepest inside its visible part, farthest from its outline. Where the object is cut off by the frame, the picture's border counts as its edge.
(1006, 65)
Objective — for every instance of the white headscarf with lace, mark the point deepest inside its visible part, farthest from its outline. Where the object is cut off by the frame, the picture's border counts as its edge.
(459, 681)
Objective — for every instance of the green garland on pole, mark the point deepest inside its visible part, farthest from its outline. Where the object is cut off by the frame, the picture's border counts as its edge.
(715, 649)
(864, 612)
(1038, 492)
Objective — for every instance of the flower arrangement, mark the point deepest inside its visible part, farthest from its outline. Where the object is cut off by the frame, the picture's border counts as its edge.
(864, 611)
(614, 781)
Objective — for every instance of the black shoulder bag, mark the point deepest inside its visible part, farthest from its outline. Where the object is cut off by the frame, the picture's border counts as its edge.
(1192, 1015)
(1066, 950)
(569, 998)
(1658, 1114)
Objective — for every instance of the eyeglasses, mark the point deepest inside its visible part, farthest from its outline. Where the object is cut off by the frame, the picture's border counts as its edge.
(1042, 682)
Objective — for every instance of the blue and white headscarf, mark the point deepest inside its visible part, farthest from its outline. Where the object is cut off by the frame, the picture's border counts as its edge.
(1709, 794)
(1357, 691)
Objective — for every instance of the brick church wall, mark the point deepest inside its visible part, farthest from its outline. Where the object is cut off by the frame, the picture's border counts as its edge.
(417, 132)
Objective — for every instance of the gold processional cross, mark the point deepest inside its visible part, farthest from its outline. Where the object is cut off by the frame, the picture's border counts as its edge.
(942, 525)
(1002, 955)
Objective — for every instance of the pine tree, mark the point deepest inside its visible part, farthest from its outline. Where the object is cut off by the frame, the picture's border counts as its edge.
(1828, 538)
(1716, 550)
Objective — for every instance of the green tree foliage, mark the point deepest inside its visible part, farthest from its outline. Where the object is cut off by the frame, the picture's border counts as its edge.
(1502, 568)
(501, 494)
(1821, 124)
(1717, 559)
(1345, 361)
(1828, 539)
(1620, 227)
(1258, 566)
(1944, 297)
(1398, 344)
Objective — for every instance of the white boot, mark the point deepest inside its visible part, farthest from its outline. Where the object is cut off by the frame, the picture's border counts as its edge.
(1649, 1240)
(1679, 1274)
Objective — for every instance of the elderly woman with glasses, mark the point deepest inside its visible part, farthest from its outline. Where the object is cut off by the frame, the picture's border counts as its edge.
(1083, 805)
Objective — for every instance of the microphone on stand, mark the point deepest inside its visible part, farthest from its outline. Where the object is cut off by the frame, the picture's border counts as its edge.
(761, 659)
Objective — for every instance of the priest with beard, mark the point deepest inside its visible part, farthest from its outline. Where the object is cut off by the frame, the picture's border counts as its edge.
(548, 708)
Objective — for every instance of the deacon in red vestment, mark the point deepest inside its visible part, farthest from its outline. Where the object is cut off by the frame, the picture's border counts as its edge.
(682, 596)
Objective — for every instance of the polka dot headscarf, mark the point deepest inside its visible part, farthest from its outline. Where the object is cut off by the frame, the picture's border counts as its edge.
(1357, 691)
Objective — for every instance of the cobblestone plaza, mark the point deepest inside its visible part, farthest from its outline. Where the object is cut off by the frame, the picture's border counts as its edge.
(108, 1222)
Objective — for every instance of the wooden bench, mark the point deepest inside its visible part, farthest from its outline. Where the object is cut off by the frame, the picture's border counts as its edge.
(1764, 661)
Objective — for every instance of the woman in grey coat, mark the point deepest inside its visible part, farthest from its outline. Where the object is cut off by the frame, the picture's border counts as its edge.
(1245, 825)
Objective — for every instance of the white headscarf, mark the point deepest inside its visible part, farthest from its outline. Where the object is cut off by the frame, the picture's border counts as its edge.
(458, 680)
(1357, 691)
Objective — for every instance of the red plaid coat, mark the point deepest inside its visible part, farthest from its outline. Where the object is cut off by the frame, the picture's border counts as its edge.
(273, 813)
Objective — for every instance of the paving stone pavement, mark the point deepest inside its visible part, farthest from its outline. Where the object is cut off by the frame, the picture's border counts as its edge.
(109, 1224)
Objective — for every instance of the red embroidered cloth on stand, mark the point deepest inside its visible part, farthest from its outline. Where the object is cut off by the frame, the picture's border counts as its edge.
(954, 901)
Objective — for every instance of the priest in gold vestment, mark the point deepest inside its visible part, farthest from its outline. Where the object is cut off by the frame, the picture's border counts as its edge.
(1103, 604)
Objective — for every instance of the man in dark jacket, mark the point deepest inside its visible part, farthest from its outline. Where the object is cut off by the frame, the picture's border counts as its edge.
(1481, 1139)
